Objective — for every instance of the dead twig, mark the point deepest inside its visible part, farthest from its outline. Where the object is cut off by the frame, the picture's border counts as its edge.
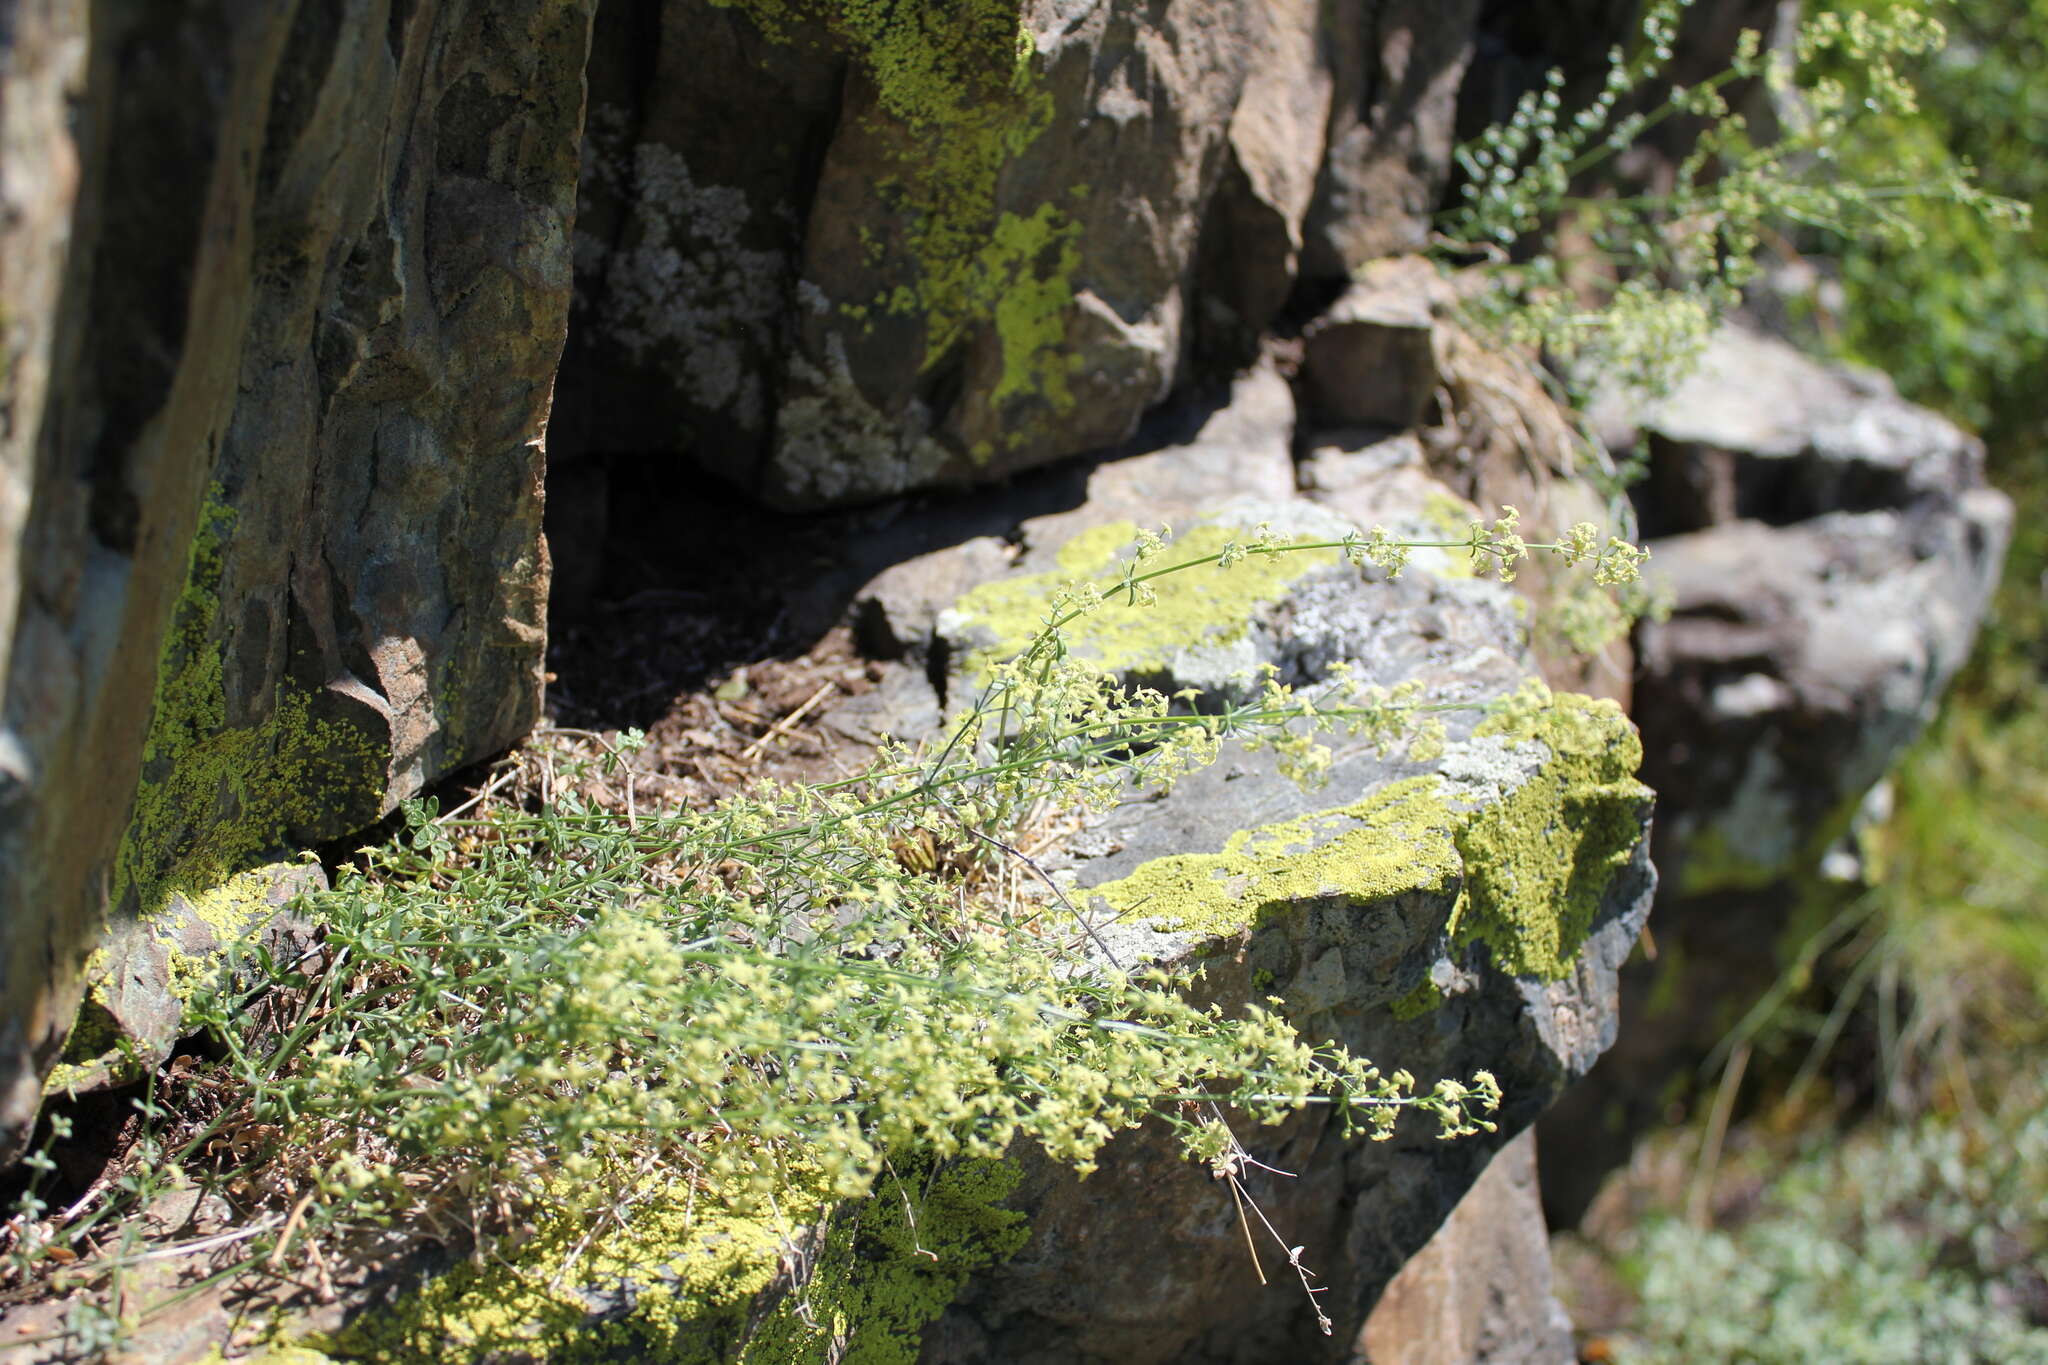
(783, 726)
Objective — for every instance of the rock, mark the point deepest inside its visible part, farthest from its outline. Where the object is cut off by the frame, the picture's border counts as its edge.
(1797, 663)
(937, 256)
(282, 565)
(1479, 1292)
(1338, 461)
(141, 976)
(1339, 903)
(1209, 630)
(1238, 447)
(1393, 120)
(1242, 448)
(42, 64)
(1249, 251)
(1760, 431)
(896, 611)
(1840, 551)
(1371, 360)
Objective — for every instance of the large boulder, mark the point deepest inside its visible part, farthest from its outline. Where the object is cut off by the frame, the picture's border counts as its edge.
(836, 253)
(1829, 550)
(278, 439)
(1400, 911)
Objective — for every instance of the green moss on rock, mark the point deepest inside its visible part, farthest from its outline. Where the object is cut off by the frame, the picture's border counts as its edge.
(1395, 841)
(216, 796)
(958, 98)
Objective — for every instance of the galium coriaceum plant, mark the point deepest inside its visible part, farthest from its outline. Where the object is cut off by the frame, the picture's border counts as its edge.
(522, 1011)
(1672, 260)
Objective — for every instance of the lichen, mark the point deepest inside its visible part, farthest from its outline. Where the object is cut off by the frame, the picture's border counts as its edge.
(1532, 861)
(1200, 606)
(1031, 262)
(217, 798)
(1539, 862)
(833, 444)
(679, 1281)
(957, 90)
(214, 795)
(1399, 839)
(892, 1266)
(1426, 996)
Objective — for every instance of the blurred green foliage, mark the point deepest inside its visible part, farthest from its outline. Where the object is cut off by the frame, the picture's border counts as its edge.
(1959, 317)
(1908, 1243)
(1961, 322)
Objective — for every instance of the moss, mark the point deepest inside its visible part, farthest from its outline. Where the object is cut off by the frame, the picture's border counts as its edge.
(880, 1281)
(1539, 862)
(1535, 864)
(1397, 840)
(679, 1284)
(1197, 607)
(216, 797)
(92, 1045)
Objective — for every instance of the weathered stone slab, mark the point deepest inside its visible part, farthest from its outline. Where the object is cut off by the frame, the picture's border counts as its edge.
(1480, 1292)
(1242, 447)
(1760, 431)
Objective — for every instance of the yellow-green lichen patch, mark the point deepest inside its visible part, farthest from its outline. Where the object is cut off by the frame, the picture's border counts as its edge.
(1426, 996)
(957, 98)
(1395, 841)
(1531, 865)
(1032, 264)
(687, 1268)
(1539, 861)
(684, 1281)
(1198, 606)
(215, 798)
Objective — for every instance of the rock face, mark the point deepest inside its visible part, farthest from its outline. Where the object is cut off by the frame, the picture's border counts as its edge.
(1829, 550)
(1440, 912)
(275, 424)
(958, 240)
